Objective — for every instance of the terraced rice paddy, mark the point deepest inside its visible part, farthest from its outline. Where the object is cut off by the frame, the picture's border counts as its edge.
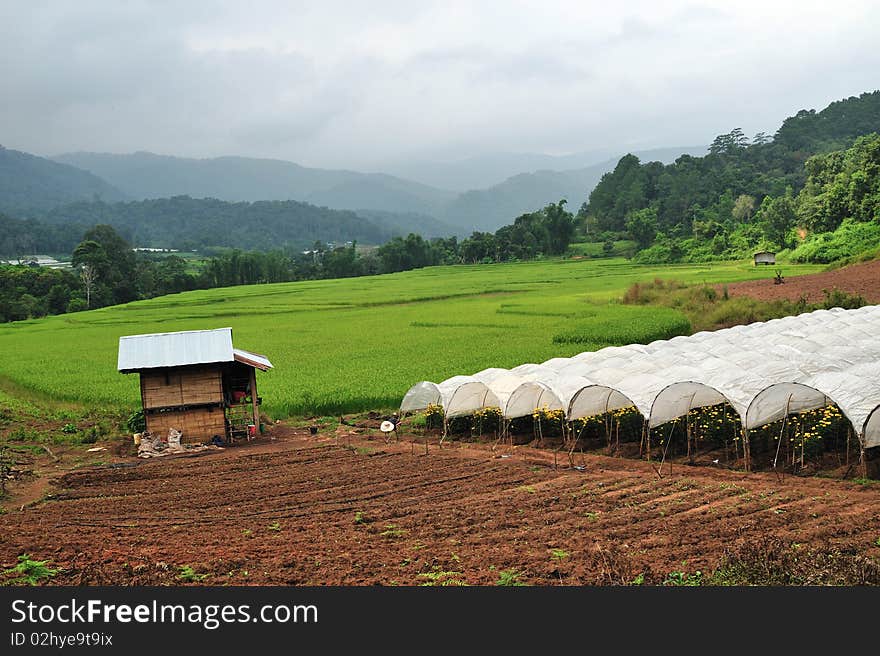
(356, 344)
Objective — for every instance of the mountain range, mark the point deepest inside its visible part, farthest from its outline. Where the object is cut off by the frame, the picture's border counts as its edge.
(144, 175)
(31, 185)
(37, 187)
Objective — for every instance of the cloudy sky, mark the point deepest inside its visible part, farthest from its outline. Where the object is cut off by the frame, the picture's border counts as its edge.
(360, 84)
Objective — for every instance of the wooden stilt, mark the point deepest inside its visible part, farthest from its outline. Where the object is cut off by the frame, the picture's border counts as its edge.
(254, 403)
(848, 438)
(687, 436)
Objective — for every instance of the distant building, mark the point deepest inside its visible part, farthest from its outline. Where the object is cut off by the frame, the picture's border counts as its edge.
(39, 261)
(765, 257)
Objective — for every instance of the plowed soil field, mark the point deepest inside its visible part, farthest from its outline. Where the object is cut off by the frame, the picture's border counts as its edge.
(861, 279)
(349, 509)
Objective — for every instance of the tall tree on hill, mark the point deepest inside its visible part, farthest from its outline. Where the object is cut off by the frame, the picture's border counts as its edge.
(743, 208)
(113, 263)
(777, 216)
(560, 227)
(642, 226)
(89, 277)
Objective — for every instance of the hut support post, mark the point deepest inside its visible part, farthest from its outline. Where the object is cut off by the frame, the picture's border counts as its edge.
(254, 406)
(863, 460)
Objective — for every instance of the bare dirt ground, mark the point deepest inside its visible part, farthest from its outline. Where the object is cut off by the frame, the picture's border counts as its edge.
(862, 279)
(346, 508)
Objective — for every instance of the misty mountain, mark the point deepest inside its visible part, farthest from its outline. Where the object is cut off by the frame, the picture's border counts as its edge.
(145, 175)
(30, 185)
(484, 171)
(488, 209)
(401, 224)
(383, 192)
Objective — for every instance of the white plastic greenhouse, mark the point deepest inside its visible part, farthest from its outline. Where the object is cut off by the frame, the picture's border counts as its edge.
(764, 370)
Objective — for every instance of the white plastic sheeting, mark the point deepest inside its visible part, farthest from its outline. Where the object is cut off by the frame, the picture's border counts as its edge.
(464, 395)
(872, 429)
(420, 396)
(763, 370)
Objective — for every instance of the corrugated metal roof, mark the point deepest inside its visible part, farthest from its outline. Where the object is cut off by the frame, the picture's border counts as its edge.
(261, 362)
(175, 349)
(183, 348)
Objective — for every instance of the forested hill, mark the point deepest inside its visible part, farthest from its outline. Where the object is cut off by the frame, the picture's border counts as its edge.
(145, 175)
(700, 191)
(31, 184)
(184, 222)
(487, 209)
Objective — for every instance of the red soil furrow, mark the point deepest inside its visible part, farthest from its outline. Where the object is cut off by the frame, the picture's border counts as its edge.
(298, 511)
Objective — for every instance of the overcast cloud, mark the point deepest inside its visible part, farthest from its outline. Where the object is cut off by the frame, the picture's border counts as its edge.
(362, 84)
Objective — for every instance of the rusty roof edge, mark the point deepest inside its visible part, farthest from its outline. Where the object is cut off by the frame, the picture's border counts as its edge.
(256, 360)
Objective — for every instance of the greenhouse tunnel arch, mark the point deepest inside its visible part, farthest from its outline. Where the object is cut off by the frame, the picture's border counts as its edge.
(871, 429)
(539, 392)
(420, 396)
(621, 400)
(474, 388)
(707, 395)
(798, 397)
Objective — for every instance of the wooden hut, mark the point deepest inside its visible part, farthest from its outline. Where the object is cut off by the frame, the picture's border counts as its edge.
(195, 381)
(765, 257)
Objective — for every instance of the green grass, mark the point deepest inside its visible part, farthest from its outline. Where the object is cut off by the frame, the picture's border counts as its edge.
(356, 344)
(596, 249)
(618, 325)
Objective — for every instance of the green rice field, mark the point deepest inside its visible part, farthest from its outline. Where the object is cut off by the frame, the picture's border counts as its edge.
(356, 344)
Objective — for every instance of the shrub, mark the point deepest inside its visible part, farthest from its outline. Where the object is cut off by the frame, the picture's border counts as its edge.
(509, 577)
(136, 422)
(838, 298)
(29, 572)
(850, 239)
(434, 416)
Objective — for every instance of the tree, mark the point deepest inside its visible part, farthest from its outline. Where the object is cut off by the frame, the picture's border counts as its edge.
(777, 217)
(341, 262)
(91, 253)
(57, 299)
(113, 260)
(404, 254)
(743, 208)
(730, 143)
(89, 276)
(642, 226)
(477, 247)
(559, 225)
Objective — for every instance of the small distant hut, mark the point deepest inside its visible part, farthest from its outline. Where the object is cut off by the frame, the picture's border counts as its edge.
(765, 257)
(195, 381)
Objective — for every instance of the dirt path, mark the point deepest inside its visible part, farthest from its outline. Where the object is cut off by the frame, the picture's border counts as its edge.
(861, 279)
(314, 510)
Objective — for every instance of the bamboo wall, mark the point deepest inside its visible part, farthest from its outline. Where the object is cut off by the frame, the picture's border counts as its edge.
(184, 386)
(195, 424)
